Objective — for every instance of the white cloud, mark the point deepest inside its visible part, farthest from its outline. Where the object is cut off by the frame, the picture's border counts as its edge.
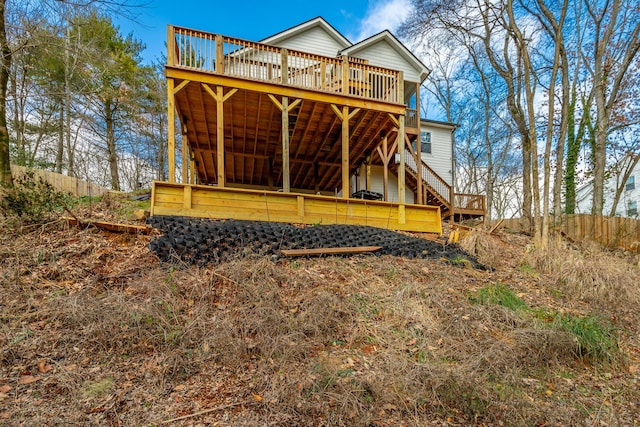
(382, 15)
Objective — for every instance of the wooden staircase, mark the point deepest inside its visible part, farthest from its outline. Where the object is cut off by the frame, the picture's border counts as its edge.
(437, 192)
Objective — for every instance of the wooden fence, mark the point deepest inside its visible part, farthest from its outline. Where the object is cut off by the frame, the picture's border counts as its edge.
(608, 231)
(63, 183)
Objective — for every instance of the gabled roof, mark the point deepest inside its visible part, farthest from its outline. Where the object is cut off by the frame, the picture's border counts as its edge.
(305, 26)
(386, 35)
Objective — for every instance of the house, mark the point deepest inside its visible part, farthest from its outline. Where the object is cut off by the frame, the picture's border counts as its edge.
(305, 127)
(629, 197)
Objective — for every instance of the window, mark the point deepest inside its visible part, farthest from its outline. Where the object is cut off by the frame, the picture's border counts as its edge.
(425, 142)
(631, 183)
(632, 208)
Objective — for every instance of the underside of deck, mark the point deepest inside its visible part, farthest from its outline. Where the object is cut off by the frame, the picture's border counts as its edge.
(230, 203)
(253, 127)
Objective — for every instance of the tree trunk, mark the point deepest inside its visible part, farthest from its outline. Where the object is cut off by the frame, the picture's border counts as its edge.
(6, 179)
(111, 147)
(60, 147)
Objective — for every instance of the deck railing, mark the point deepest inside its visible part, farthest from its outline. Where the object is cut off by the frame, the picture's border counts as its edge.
(470, 202)
(432, 179)
(230, 56)
(411, 118)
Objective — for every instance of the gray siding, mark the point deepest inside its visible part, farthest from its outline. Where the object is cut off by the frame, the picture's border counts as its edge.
(314, 40)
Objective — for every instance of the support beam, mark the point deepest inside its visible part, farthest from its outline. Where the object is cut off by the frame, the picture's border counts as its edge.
(192, 167)
(385, 168)
(220, 97)
(171, 130)
(345, 153)
(286, 170)
(220, 135)
(419, 190)
(185, 155)
(181, 86)
(401, 172)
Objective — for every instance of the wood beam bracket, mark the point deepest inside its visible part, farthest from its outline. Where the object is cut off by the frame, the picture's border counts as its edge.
(215, 96)
(278, 104)
(395, 121)
(181, 86)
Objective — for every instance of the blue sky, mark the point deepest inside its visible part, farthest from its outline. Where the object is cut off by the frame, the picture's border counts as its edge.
(256, 20)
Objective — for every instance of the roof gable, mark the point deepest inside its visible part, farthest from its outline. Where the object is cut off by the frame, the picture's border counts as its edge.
(312, 25)
(385, 37)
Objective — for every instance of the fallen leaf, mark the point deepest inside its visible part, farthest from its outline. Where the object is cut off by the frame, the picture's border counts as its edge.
(43, 367)
(28, 379)
(5, 388)
(179, 387)
(257, 397)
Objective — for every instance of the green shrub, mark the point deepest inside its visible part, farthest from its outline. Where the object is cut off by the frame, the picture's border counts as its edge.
(32, 199)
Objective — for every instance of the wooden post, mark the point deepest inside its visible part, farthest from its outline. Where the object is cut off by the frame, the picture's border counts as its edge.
(345, 152)
(219, 64)
(220, 136)
(171, 130)
(368, 175)
(385, 169)
(286, 179)
(345, 74)
(185, 155)
(420, 200)
(192, 167)
(401, 166)
(171, 45)
(284, 66)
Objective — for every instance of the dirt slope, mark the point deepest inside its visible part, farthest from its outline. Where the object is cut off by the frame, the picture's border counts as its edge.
(96, 330)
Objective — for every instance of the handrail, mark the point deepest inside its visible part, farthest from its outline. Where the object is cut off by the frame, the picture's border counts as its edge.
(411, 118)
(435, 182)
(214, 53)
(442, 190)
(476, 202)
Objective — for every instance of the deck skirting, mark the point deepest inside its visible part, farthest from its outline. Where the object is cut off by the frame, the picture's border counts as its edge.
(258, 205)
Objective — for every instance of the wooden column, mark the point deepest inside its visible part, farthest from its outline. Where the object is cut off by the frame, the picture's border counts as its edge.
(185, 155)
(171, 130)
(345, 153)
(219, 64)
(419, 190)
(192, 167)
(286, 178)
(385, 169)
(220, 136)
(345, 75)
(401, 166)
(285, 107)
(220, 98)
(345, 116)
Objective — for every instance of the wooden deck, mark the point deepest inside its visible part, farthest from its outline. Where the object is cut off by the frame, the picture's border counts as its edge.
(268, 119)
(262, 116)
(232, 203)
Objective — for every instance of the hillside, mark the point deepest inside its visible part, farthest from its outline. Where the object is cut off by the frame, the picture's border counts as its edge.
(96, 330)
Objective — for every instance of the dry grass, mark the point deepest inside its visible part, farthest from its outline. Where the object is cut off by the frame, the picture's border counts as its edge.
(605, 280)
(114, 338)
